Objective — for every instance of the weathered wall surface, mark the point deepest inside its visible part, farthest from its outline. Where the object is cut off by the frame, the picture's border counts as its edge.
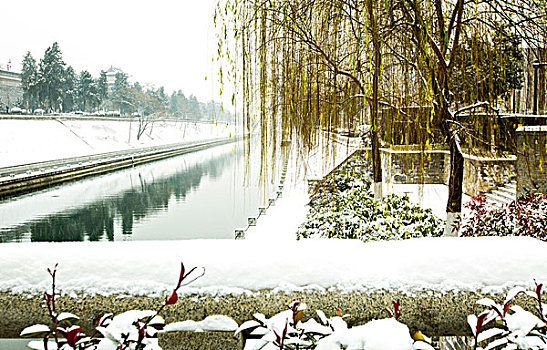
(408, 166)
(434, 314)
(484, 174)
(532, 159)
(10, 89)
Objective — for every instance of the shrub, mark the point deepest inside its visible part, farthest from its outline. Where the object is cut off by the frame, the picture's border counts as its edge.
(287, 331)
(526, 216)
(133, 329)
(348, 210)
(514, 327)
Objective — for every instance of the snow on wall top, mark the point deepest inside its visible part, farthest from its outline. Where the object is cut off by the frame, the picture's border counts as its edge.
(490, 264)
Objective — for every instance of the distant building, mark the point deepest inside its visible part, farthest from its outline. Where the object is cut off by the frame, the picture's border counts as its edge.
(111, 77)
(11, 91)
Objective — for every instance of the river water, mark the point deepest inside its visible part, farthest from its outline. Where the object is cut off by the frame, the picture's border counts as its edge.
(204, 194)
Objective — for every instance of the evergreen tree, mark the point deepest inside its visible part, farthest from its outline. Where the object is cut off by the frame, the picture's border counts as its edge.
(137, 86)
(29, 81)
(178, 105)
(120, 91)
(86, 90)
(486, 69)
(69, 89)
(51, 74)
(194, 109)
(162, 96)
(102, 88)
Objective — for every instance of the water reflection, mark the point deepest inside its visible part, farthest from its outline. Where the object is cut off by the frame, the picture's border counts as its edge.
(172, 199)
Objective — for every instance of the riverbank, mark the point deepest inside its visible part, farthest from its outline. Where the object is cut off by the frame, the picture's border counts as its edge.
(25, 141)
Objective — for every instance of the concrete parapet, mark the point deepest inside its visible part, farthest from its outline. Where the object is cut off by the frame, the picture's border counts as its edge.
(433, 313)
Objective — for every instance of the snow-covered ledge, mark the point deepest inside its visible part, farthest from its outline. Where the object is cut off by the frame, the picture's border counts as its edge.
(437, 279)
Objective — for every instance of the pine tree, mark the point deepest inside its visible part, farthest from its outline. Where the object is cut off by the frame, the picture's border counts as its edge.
(85, 90)
(29, 81)
(102, 88)
(120, 91)
(68, 89)
(51, 74)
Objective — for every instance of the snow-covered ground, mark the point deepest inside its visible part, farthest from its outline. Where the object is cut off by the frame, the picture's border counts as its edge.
(433, 196)
(29, 141)
(270, 258)
(151, 268)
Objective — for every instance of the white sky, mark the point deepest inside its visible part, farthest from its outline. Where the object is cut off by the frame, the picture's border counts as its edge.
(166, 43)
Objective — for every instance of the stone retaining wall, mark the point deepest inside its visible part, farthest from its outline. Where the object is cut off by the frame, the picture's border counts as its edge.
(532, 159)
(481, 174)
(410, 166)
(434, 314)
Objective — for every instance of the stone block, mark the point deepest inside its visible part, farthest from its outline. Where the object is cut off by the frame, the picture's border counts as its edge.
(200, 340)
(532, 159)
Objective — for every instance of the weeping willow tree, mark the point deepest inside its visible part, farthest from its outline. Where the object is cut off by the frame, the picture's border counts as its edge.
(305, 67)
(437, 32)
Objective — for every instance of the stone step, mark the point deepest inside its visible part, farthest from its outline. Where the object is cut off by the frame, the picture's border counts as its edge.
(512, 186)
(498, 201)
(508, 190)
(504, 194)
(493, 203)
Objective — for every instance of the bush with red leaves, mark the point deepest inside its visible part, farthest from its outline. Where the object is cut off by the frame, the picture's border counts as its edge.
(526, 216)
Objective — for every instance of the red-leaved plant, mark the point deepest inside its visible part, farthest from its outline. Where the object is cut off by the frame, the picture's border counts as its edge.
(526, 216)
(396, 312)
(514, 327)
(66, 334)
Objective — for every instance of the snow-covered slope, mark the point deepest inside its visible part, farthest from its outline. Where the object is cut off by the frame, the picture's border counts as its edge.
(36, 140)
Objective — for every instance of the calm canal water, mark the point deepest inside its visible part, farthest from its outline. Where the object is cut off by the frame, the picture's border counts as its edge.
(205, 194)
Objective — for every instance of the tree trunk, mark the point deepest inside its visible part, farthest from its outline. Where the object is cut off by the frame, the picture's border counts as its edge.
(455, 191)
(376, 160)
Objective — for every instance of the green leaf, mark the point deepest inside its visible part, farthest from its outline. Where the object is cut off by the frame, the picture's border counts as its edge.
(35, 331)
(67, 317)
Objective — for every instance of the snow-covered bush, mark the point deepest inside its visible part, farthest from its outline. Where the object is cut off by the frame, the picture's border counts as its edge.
(526, 216)
(346, 209)
(133, 329)
(286, 331)
(514, 327)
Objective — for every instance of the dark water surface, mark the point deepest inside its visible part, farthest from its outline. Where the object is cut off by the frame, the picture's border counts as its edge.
(205, 194)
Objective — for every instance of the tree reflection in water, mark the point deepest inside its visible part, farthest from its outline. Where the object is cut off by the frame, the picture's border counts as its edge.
(96, 221)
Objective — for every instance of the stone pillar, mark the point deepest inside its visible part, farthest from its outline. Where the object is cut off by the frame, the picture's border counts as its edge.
(531, 159)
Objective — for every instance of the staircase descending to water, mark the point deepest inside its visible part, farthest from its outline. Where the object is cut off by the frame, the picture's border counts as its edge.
(502, 195)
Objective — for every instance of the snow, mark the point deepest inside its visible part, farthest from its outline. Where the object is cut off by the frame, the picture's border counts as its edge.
(28, 141)
(122, 326)
(35, 329)
(210, 323)
(269, 258)
(433, 196)
(282, 220)
(491, 264)
(383, 334)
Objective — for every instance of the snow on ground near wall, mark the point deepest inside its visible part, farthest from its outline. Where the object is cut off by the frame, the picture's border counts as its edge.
(28, 141)
(432, 196)
(233, 267)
